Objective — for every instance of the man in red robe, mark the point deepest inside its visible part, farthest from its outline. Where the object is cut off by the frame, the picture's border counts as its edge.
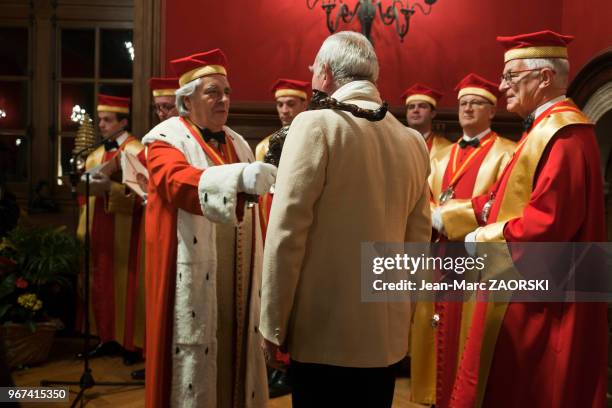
(203, 259)
(117, 285)
(466, 169)
(421, 102)
(291, 97)
(164, 95)
(538, 354)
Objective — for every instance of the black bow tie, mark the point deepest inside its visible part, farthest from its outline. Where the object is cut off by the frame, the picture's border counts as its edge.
(218, 136)
(110, 145)
(475, 142)
(528, 122)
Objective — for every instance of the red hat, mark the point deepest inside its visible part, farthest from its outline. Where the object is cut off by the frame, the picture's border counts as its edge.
(420, 92)
(199, 65)
(476, 85)
(291, 87)
(117, 104)
(543, 44)
(164, 86)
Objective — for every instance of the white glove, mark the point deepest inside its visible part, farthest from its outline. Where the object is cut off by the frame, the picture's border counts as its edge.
(470, 242)
(436, 220)
(99, 183)
(257, 178)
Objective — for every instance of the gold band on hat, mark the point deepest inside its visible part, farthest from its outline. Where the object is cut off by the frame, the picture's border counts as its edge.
(164, 92)
(535, 52)
(116, 109)
(290, 92)
(477, 91)
(200, 72)
(421, 97)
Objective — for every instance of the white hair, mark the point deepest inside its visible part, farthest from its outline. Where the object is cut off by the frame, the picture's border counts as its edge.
(559, 65)
(186, 90)
(350, 57)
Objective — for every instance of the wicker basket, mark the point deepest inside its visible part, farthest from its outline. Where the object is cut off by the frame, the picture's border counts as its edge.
(24, 347)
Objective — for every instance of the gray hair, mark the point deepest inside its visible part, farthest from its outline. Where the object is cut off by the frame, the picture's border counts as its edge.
(186, 90)
(350, 57)
(559, 65)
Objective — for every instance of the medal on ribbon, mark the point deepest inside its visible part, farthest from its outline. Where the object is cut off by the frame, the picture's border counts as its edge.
(446, 195)
(486, 209)
(459, 170)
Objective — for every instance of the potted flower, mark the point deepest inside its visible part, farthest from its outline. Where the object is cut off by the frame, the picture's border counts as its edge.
(36, 264)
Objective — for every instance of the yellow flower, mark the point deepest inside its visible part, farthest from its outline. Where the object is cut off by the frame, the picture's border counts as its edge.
(30, 301)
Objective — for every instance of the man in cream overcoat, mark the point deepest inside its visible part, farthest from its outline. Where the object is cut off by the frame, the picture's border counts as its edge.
(342, 180)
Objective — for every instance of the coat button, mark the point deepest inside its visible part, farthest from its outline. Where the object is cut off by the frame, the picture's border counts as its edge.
(193, 314)
(435, 321)
(206, 351)
(177, 350)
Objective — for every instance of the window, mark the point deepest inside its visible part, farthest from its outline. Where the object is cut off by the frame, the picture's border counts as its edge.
(15, 112)
(92, 59)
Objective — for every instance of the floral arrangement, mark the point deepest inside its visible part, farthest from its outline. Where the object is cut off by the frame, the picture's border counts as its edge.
(36, 263)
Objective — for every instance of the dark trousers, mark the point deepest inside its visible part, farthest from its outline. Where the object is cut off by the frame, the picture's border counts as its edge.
(320, 386)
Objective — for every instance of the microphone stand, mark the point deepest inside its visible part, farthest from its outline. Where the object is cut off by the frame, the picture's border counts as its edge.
(86, 381)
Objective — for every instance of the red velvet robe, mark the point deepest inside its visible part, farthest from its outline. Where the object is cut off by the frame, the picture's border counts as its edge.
(546, 354)
(173, 185)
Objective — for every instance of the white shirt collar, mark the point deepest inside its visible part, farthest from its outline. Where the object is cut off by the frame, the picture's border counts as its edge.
(478, 136)
(426, 135)
(121, 138)
(540, 109)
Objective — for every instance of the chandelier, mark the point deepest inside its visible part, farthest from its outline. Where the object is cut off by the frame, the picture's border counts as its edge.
(365, 10)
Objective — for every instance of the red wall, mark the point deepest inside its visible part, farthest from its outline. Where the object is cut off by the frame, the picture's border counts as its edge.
(267, 39)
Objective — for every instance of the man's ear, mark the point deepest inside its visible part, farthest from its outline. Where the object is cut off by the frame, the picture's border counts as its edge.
(492, 111)
(328, 78)
(124, 123)
(433, 114)
(547, 76)
(187, 102)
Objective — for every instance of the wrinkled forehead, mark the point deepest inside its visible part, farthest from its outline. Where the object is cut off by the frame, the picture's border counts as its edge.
(215, 81)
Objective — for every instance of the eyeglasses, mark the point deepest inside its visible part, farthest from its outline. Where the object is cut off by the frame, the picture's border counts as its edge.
(163, 107)
(473, 104)
(509, 76)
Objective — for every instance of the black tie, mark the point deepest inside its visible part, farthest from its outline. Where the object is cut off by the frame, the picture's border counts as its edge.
(475, 142)
(218, 136)
(110, 145)
(528, 122)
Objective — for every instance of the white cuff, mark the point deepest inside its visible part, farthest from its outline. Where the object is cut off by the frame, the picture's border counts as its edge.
(218, 190)
(436, 220)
